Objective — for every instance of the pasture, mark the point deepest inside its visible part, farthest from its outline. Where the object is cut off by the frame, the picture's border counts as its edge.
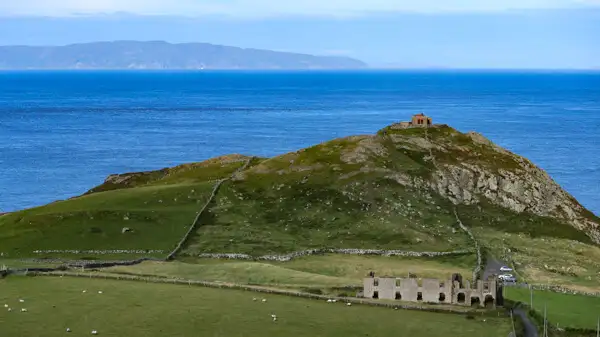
(325, 271)
(575, 311)
(135, 309)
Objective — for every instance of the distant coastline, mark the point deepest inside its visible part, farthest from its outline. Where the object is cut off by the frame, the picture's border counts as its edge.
(160, 55)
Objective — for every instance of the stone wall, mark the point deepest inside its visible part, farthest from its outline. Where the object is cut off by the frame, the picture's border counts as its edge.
(203, 209)
(477, 269)
(99, 252)
(258, 289)
(321, 251)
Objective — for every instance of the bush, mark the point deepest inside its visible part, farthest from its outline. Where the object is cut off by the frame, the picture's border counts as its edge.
(313, 291)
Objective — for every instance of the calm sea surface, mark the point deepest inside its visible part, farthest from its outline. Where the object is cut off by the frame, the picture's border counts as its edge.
(62, 133)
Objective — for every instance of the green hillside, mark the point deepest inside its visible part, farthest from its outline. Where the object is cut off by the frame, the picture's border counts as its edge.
(401, 189)
(157, 207)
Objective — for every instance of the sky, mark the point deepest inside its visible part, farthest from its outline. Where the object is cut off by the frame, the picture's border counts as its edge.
(384, 33)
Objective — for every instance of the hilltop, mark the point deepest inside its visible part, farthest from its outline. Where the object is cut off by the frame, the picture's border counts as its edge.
(162, 55)
(402, 189)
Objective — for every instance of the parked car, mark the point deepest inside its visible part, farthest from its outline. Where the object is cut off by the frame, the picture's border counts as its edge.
(505, 268)
(507, 278)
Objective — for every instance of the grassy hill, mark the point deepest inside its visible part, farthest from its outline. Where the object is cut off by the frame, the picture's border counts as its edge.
(158, 207)
(401, 189)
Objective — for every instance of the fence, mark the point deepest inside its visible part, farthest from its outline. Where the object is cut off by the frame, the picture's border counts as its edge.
(352, 300)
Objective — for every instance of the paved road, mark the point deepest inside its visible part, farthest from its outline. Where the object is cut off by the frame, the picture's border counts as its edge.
(492, 267)
(530, 328)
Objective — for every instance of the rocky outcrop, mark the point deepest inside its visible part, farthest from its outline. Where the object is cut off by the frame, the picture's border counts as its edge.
(469, 168)
(528, 189)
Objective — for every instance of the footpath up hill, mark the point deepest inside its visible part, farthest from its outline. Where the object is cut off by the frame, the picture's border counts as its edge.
(401, 189)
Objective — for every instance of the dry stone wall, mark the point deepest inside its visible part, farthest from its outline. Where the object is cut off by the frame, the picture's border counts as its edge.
(196, 220)
(352, 300)
(321, 251)
(478, 267)
(100, 252)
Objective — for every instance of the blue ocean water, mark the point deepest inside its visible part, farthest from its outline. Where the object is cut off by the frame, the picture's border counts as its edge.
(62, 133)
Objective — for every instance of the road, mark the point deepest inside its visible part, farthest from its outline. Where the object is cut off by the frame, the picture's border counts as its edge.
(492, 267)
(530, 329)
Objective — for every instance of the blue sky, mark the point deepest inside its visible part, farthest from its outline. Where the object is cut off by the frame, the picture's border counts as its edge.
(404, 33)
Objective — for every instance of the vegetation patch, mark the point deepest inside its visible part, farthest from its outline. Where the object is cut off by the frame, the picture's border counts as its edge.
(137, 309)
(564, 310)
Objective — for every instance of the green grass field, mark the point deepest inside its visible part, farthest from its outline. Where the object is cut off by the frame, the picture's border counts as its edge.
(136, 309)
(322, 272)
(567, 310)
(157, 206)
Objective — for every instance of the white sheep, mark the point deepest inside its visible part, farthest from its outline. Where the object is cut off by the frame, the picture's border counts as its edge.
(334, 301)
(254, 299)
(329, 301)
(68, 330)
(100, 292)
(23, 310)
(9, 309)
(6, 305)
(349, 304)
(274, 316)
(94, 332)
(85, 291)
(21, 301)
(264, 299)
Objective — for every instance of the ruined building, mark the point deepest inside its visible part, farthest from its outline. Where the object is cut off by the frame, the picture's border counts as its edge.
(418, 120)
(452, 291)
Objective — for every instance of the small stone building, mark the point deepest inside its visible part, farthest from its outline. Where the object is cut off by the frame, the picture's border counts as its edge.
(418, 120)
(452, 291)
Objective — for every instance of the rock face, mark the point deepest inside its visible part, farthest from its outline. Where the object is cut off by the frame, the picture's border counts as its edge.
(480, 169)
(530, 189)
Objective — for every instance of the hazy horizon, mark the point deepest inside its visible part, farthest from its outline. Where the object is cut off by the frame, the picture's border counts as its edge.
(460, 34)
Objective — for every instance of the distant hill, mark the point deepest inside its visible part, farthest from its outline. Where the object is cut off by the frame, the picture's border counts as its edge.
(162, 55)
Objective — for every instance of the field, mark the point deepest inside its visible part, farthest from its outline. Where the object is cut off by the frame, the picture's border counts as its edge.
(566, 310)
(158, 211)
(319, 272)
(135, 309)
(547, 260)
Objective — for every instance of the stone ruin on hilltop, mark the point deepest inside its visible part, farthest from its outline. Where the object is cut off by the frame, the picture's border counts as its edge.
(417, 121)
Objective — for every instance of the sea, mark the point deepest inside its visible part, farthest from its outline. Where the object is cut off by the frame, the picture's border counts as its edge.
(61, 133)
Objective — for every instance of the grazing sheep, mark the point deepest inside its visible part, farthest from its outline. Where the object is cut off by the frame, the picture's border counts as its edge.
(68, 330)
(85, 291)
(23, 310)
(274, 316)
(6, 305)
(349, 304)
(9, 309)
(254, 299)
(329, 301)
(264, 299)
(94, 332)
(100, 292)
(334, 301)
(21, 301)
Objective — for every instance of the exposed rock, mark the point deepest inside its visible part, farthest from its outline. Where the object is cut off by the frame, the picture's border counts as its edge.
(480, 171)
(368, 147)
